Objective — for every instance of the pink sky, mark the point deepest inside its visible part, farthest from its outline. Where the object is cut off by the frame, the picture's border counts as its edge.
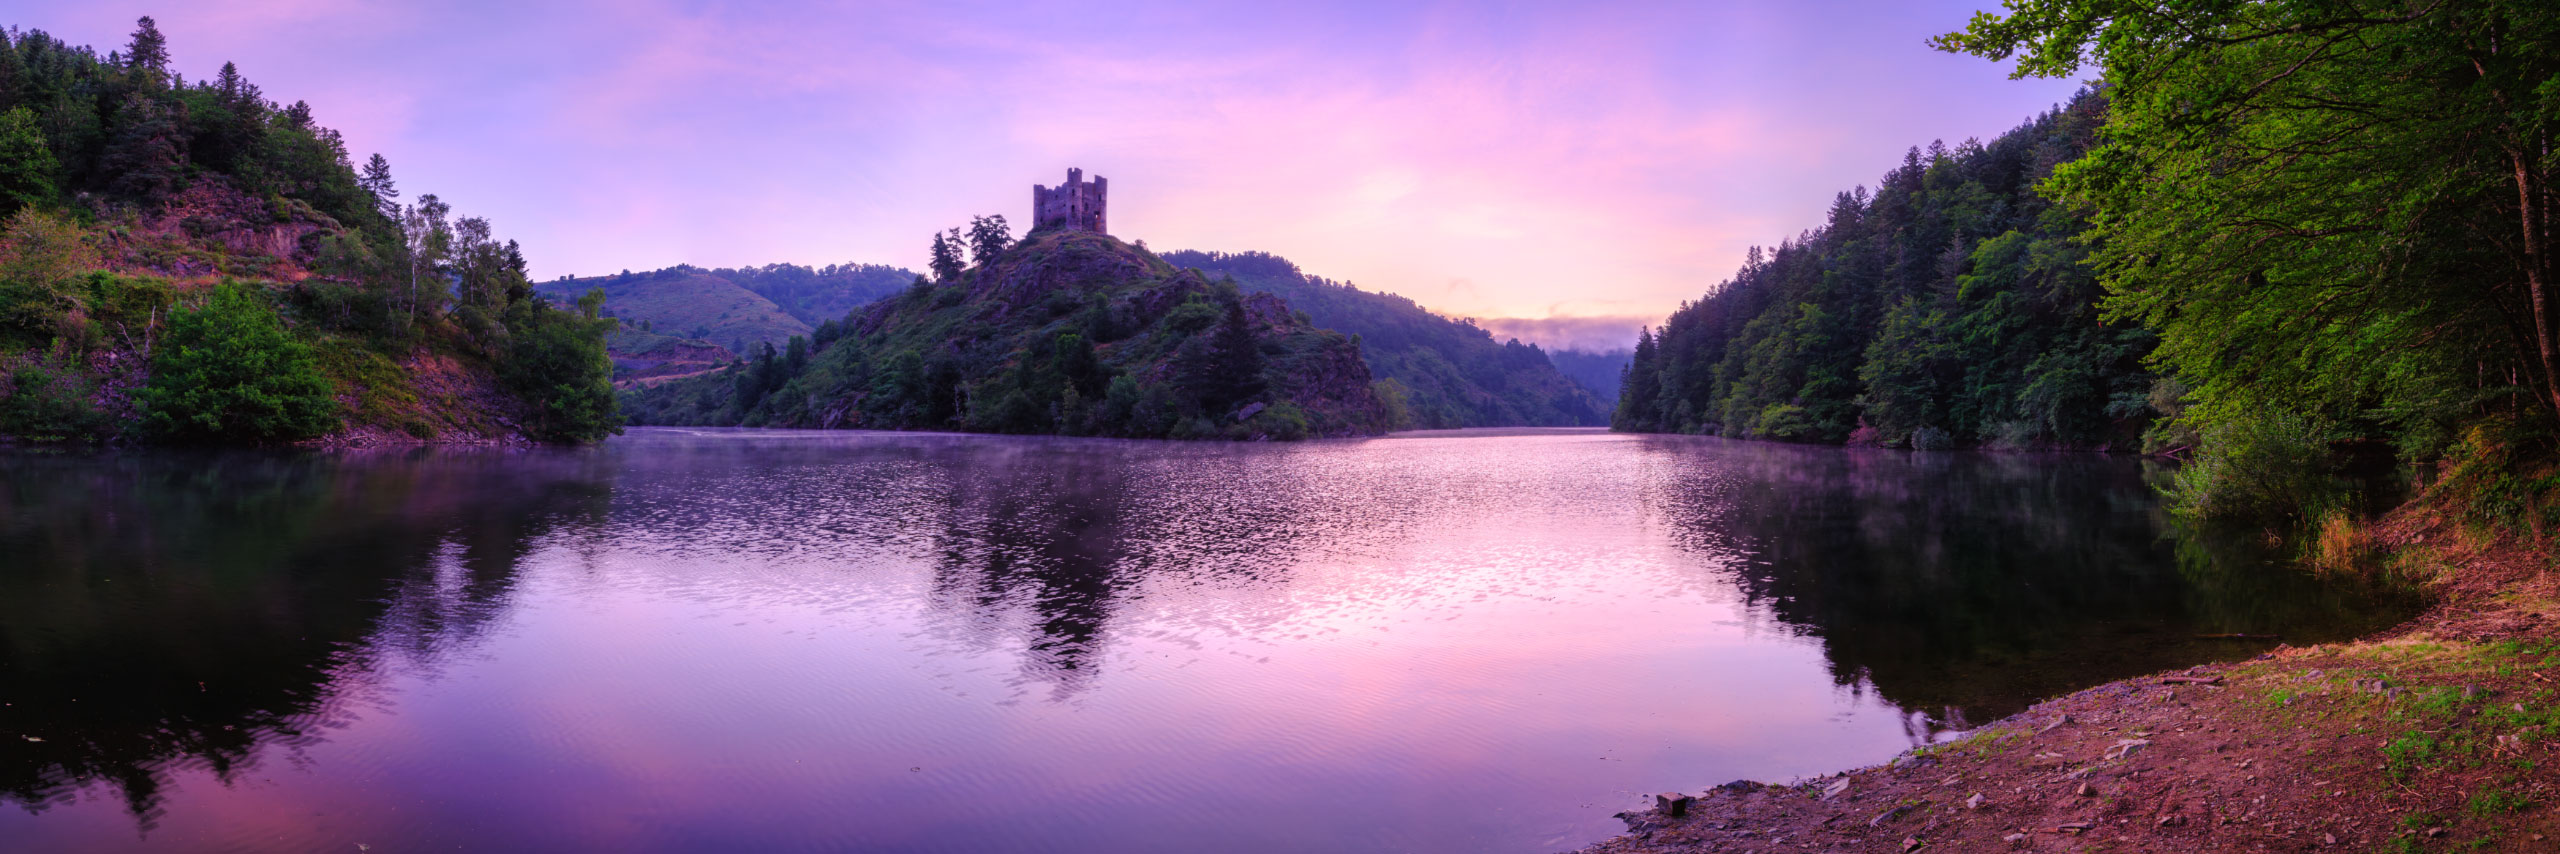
(1493, 160)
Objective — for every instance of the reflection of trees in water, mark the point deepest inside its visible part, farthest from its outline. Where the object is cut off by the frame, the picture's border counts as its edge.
(1965, 586)
(161, 612)
(1031, 549)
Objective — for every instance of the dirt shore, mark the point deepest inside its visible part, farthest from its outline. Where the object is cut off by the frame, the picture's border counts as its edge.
(2442, 734)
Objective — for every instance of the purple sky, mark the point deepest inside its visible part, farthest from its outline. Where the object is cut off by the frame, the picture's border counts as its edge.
(1529, 160)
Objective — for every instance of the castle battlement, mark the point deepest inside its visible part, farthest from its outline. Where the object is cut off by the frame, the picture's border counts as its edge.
(1074, 205)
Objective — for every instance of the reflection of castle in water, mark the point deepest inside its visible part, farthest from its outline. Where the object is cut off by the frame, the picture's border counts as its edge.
(167, 611)
(1047, 555)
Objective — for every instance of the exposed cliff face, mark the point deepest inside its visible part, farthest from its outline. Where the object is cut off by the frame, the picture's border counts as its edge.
(1069, 332)
(213, 229)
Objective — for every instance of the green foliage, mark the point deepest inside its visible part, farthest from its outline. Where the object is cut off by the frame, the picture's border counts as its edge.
(228, 371)
(27, 168)
(1452, 372)
(2503, 475)
(2273, 464)
(41, 258)
(713, 305)
(1068, 333)
(1391, 393)
(555, 362)
(2335, 209)
(49, 401)
(123, 139)
(1223, 369)
(988, 238)
(1949, 304)
(945, 253)
(1282, 421)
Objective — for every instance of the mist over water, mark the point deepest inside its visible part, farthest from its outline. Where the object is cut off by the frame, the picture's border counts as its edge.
(730, 640)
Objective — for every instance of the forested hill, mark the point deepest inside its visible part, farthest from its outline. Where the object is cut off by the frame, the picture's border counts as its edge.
(1599, 372)
(1949, 306)
(1451, 373)
(737, 308)
(189, 261)
(1063, 332)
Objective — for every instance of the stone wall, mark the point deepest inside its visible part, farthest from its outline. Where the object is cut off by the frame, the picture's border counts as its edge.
(1074, 205)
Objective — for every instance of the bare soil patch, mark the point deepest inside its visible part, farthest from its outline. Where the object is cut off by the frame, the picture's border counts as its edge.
(2439, 735)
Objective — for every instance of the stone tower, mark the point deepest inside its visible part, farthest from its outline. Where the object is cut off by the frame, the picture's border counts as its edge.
(1074, 205)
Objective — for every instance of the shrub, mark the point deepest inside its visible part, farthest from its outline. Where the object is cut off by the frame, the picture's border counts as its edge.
(556, 363)
(41, 255)
(1282, 421)
(46, 402)
(2341, 545)
(2502, 474)
(1786, 422)
(1931, 439)
(2270, 465)
(1396, 402)
(230, 372)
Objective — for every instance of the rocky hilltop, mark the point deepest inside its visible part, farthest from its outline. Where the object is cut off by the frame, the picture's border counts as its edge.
(1067, 332)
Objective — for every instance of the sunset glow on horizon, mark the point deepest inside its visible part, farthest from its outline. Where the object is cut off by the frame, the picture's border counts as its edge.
(1496, 161)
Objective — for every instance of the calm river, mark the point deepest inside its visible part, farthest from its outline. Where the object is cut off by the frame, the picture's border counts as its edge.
(703, 640)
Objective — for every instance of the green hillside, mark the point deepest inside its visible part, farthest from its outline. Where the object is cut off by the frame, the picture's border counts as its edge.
(816, 295)
(1066, 332)
(1452, 373)
(689, 302)
(1598, 372)
(1951, 305)
(193, 262)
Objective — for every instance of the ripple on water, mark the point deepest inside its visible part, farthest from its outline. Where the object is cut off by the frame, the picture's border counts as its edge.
(725, 639)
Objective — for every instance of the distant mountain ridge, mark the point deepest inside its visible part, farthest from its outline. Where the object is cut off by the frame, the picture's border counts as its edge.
(1453, 373)
(737, 308)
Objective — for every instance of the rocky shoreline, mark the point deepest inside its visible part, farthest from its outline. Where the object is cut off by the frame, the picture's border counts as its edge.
(2439, 735)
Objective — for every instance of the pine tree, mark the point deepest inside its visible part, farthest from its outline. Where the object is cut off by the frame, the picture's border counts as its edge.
(1229, 372)
(377, 180)
(27, 167)
(148, 155)
(227, 84)
(17, 83)
(148, 55)
(946, 257)
(1641, 386)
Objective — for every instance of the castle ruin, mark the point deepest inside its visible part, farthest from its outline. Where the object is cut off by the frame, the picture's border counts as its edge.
(1074, 205)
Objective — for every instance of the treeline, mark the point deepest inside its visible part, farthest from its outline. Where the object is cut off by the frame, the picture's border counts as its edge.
(1451, 373)
(811, 295)
(816, 295)
(122, 183)
(1949, 306)
(2286, 235)
(1597, 372)
(2337, 219)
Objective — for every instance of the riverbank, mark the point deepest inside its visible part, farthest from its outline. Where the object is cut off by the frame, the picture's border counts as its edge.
(2437, 735)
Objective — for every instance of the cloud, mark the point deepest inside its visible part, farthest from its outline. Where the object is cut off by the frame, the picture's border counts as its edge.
(1587, 161)
(1596, 334)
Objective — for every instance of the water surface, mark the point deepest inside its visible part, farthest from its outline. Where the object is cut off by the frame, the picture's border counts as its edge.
(735, 640)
